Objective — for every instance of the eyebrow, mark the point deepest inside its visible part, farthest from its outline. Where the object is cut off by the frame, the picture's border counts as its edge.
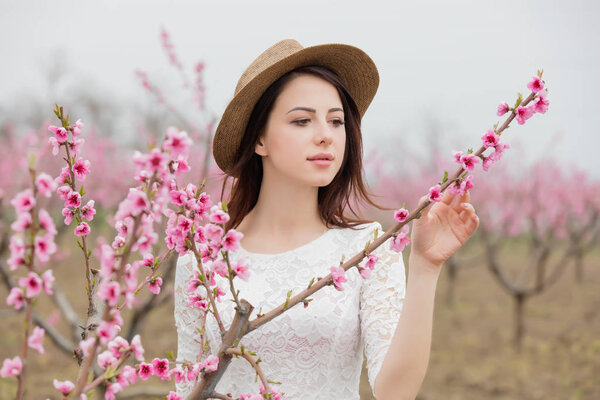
(312, 110)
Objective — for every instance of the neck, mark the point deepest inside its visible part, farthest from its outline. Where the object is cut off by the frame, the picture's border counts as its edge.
(284, 207)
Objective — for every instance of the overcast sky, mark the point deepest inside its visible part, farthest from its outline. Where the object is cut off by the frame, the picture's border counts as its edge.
(450, 60)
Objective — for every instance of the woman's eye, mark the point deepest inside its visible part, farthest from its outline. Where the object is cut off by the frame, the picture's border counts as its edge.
(302, 121)
(338, 122)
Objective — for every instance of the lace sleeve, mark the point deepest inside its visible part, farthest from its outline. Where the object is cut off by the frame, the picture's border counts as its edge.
(188, 320)
(381, 302)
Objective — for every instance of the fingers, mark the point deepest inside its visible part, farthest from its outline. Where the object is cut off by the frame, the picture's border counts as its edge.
(467, 215)
(447, 197)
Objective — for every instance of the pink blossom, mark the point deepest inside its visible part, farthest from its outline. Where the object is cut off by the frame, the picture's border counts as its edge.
(457, 155)
(435, 193)
(88, 211)
(68, 214)
(371, 260)
(211, 363)
(364, 272)
(45, 185)
(136, 347)
(106, 359)
(137, 202)
(401, 214)
(16, 298)
(180, 165)
(83, 229)
(535, 85)
(60, 132)
(401, 240)
(74, 147)
(22, 222)
(178, 197)
(231, 240)
(541, 102)
(55, 145)
(36, 338)
(214, 233)
(64, 177)
(524, 113)
(184, 224)
(192, 285)
(160, 368)
(241, 269)
(32, 284)
(11, 367)
(468, 161)
(64, 387)
(198, 302)
(109, 292)
(77, 127)
(155, 284)
(23, 201)
(490, 138)
(112, 388)
(220, 267)
(145, 371)
(106, 331)
(47, 281)
(178, 142)
(81, 168)
(86, 345)
(73, 199)
(502, 109)
(217, 215)
(63, 192)
(174, 396)
(157, 160)
(128, 376)
(46, 222)
(118, 346)
(44, 247)
(338, 276)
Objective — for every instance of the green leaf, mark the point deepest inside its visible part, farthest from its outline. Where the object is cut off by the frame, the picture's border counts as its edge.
(31, 161)
(170, 355)
(376, 233)
(519, 101)
(311, 283)
(445, 178)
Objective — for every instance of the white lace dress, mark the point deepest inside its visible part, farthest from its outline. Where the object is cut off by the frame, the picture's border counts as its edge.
(315, 352)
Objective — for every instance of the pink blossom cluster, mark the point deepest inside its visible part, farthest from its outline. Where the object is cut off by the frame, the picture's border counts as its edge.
(199, 87)
(539, 105)
(76, 170)
(169, 48)
(30, 247)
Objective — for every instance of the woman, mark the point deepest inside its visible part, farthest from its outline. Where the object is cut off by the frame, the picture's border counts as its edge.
(291, 138)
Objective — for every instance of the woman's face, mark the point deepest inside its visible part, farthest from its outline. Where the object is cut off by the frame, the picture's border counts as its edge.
(306, 122)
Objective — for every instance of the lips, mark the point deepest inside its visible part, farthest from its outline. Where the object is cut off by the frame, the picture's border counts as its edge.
(321, 156)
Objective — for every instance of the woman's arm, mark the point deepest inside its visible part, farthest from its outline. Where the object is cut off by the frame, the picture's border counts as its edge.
(442, 229)
(405, 363)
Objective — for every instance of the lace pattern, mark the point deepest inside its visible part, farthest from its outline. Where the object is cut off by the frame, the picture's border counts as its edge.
(317, 352)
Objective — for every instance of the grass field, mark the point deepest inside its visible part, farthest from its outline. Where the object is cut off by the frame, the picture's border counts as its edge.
(472, 353)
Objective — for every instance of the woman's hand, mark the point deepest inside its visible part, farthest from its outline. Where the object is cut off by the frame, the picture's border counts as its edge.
(443, 228)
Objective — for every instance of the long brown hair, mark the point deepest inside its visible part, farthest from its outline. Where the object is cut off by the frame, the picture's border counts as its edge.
(333, 198)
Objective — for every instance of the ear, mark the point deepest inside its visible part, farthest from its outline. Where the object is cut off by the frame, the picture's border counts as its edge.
(259, 147)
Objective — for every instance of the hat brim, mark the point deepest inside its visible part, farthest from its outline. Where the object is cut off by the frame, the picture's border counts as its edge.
(354, 67)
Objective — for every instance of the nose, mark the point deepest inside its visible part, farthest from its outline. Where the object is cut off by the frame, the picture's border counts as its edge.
(323, 133)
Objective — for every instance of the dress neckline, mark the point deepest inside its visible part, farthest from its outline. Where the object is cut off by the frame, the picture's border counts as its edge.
(288, 252)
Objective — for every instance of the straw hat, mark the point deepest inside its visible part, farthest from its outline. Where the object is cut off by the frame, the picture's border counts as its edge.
(352, 65)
